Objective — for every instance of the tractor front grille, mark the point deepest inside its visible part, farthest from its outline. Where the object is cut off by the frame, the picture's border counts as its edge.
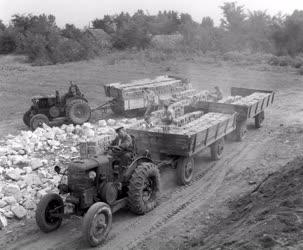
(78, 181)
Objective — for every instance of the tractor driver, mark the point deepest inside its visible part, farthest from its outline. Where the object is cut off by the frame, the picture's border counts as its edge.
(122, 146)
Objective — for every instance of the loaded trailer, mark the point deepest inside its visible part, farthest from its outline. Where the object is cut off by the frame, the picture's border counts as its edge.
(176, 145)
(128, 98)
(247, 103)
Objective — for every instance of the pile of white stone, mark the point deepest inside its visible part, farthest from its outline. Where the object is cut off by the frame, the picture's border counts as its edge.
(245, 101)
(27, 161)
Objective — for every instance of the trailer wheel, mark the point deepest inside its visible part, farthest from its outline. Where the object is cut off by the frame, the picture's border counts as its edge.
(185, 169)
(144, 188)
(97, 223)
(259, 118)
(241, 131)
(216, 149)
(37, 121)
(48, 205)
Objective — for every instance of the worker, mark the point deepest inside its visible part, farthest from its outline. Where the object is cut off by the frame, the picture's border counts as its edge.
(216, 95)
(151, 101)
(168, 114)
(72, 92)
(149, 123)
(122, 146)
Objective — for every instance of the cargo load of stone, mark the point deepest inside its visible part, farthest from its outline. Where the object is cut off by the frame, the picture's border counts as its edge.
(27, 161)
(187, 124)
(187, 135)
(246, 100)
(130, 96)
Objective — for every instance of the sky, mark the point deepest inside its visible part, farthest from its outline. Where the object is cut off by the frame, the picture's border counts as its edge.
(81, 12)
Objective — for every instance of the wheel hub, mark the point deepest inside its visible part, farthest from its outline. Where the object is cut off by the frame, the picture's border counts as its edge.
(188, 169)
(99, 225)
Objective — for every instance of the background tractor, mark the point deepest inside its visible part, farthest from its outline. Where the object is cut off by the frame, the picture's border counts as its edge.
(96, 188)
(72, 107)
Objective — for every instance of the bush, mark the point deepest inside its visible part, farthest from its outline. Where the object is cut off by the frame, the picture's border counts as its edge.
(7, 42)
(285, 61)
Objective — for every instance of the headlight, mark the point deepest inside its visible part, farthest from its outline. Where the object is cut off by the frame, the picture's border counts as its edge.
(92, 175)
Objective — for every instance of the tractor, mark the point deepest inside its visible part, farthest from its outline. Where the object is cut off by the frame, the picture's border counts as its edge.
(72, 107)
(98, 186)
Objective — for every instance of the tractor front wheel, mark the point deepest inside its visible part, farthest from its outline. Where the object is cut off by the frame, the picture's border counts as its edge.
(27, 118)
(185, 169)
(38, 120)
(97, 223)
(144, 188)
(48, 209)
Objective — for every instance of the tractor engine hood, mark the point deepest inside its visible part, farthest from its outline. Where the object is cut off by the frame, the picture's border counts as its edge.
(88, 164)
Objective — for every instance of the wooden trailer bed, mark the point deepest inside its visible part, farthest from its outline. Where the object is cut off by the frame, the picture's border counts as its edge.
(183, 142)
(245, 111)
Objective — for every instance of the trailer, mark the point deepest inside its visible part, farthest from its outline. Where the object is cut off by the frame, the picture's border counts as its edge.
(128, 98)
(176, 146)
(245, 111)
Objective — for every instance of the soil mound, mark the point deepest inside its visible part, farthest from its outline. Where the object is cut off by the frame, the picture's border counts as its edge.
(271, 216)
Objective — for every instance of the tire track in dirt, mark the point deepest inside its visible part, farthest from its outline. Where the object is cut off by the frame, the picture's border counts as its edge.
(185, 200)
(128, 232)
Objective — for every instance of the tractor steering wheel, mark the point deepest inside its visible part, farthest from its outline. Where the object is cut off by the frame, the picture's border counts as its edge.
(115, 148)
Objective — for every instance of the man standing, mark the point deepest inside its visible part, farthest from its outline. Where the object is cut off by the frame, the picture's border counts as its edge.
(216, 95)
(151, 101)
(168, 115)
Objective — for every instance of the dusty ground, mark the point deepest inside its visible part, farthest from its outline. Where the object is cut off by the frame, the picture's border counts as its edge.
(212, 212)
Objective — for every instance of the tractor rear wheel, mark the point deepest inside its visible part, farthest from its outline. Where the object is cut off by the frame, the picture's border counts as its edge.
(78, 111)
(97, 223)
(38, 120)
(144, 188)
(49, 205)
(185, 169)
(27, 118)
(216, 149)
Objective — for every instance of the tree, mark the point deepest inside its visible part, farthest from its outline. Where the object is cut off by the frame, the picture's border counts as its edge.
(234, 17)
(258, 27)
(2, 26)
(71, 32)
(207, 22)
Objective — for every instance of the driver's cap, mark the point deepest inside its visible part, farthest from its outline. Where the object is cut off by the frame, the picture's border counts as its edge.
(117, 129)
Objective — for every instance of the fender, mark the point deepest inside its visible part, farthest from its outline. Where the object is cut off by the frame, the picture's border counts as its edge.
(133, 166)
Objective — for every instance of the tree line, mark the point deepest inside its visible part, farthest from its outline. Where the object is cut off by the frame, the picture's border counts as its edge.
(38, 36)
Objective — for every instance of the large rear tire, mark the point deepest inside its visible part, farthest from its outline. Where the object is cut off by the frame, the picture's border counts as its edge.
(144, 188)
(27, 118)
(97, 223)
(78, 111)
(38, 120)
(185, 169)
(50, 203)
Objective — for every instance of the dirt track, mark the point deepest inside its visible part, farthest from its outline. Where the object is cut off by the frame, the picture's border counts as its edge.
(183, 210)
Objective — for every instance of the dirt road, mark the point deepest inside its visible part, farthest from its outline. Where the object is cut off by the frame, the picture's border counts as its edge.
(182, 209)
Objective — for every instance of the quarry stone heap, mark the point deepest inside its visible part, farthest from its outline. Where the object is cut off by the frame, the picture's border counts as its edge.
(27, 161)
